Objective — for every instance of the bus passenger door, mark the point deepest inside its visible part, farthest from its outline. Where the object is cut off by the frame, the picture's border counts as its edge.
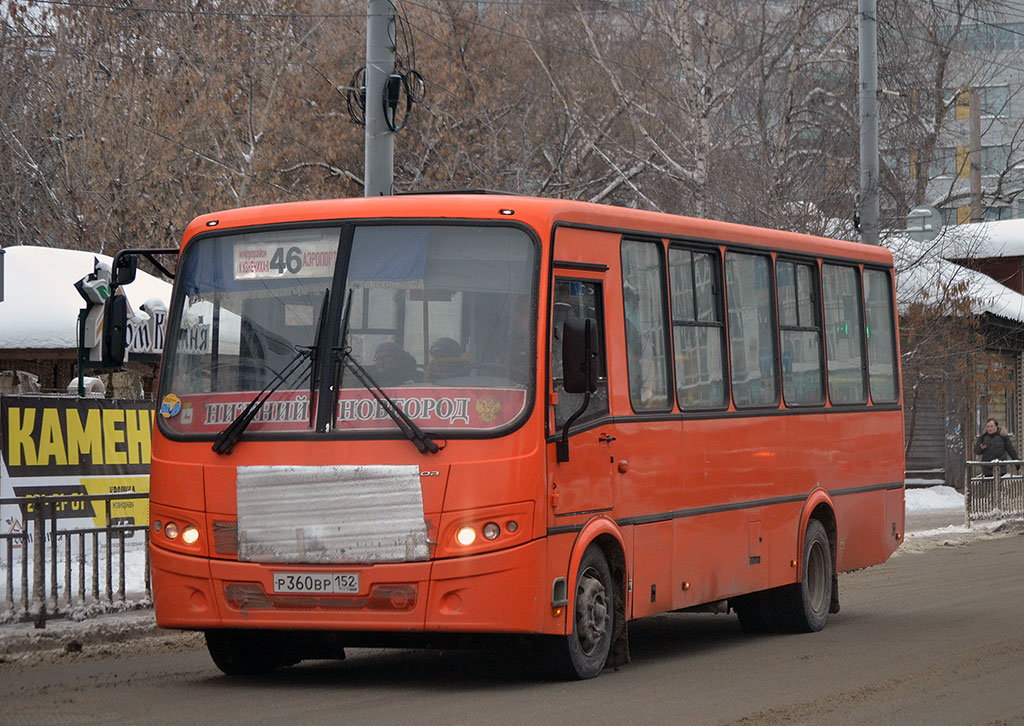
(582, 486)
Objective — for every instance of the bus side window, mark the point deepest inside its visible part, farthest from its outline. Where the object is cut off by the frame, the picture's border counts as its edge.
(643, 300)
(844, 337)
(577, 300)
(697, 328)
(880, 331)
(800, 330)
(752, 338)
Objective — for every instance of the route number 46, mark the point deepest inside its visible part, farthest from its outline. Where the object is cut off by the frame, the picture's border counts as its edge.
(290, 260)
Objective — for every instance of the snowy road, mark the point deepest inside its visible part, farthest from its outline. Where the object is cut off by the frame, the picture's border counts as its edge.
(935, 636)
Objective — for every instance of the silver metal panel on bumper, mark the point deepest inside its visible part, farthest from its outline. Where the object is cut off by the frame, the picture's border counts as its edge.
(330, 514)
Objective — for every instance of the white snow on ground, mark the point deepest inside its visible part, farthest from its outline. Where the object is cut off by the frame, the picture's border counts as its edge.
(934, 498)
(929, 513)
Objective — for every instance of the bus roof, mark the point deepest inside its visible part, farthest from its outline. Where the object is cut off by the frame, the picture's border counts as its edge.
(540, 213)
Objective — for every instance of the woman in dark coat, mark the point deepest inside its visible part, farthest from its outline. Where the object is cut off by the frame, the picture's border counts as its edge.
(994, 444)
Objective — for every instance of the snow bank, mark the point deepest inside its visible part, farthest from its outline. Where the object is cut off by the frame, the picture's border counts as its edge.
(934, 498)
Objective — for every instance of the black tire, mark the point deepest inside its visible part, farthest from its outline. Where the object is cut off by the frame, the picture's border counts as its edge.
(803, 607)
(584, 652)
(248, 652)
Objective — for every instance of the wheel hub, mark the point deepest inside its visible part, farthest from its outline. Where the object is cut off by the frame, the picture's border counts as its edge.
(591, 612)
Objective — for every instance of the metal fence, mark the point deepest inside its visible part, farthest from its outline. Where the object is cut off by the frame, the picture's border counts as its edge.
(61, 569)
(994, 490)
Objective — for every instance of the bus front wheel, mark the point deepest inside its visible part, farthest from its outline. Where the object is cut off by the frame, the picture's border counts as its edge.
(584, 652)
(248, 652)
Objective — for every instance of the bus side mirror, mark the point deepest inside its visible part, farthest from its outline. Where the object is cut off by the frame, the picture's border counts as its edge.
(580, 356)
(125, 267)
(115, 329)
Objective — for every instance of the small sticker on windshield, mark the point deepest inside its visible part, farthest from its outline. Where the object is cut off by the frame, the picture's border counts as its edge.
(170, 406)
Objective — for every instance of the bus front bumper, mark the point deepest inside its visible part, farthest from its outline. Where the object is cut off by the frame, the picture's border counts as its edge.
(496, 592)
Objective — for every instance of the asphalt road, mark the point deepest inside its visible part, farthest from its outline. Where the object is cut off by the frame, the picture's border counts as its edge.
(935, 636)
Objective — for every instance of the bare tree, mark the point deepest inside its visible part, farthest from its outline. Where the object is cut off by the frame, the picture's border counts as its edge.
(933, 57)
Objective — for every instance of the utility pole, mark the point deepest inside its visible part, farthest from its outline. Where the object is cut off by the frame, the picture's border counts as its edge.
(868, 57)
(379, 160)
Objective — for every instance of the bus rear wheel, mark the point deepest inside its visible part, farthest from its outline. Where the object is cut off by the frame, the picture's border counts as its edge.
(248, 652)
(584, 652)
(803, 606)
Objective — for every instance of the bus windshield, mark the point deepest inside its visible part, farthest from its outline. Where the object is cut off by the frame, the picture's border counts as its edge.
(440, 316)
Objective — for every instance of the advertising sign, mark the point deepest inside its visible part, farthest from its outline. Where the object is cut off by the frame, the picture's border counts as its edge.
(75, 446)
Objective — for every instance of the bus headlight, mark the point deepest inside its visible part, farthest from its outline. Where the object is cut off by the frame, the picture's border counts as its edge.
(189, 535)
(475, 531)
(171, 530)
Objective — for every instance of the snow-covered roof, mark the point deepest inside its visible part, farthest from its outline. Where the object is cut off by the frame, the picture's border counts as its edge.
(983, 240)
(40, 306)
(923, 271)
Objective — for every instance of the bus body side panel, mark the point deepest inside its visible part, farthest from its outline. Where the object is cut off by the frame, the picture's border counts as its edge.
(652, 558)
(745, 481)
(867, 467)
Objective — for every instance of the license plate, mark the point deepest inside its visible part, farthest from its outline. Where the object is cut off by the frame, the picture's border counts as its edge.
(317, 582)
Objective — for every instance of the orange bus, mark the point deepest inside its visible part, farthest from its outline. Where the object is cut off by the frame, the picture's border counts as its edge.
(417, 419)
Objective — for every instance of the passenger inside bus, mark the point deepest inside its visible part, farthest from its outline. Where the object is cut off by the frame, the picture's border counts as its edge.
(448, 359)
(392, 366)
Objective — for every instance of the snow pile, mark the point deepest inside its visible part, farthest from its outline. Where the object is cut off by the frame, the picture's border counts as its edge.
(934, 498)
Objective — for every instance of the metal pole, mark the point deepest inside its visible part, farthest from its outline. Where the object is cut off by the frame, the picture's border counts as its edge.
(82, 315)
(39, 565)
(380, 65)
(868, 121)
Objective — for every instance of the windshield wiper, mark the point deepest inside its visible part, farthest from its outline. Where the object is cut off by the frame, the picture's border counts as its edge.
(405, 424)
(226, 439)
(314, 375)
